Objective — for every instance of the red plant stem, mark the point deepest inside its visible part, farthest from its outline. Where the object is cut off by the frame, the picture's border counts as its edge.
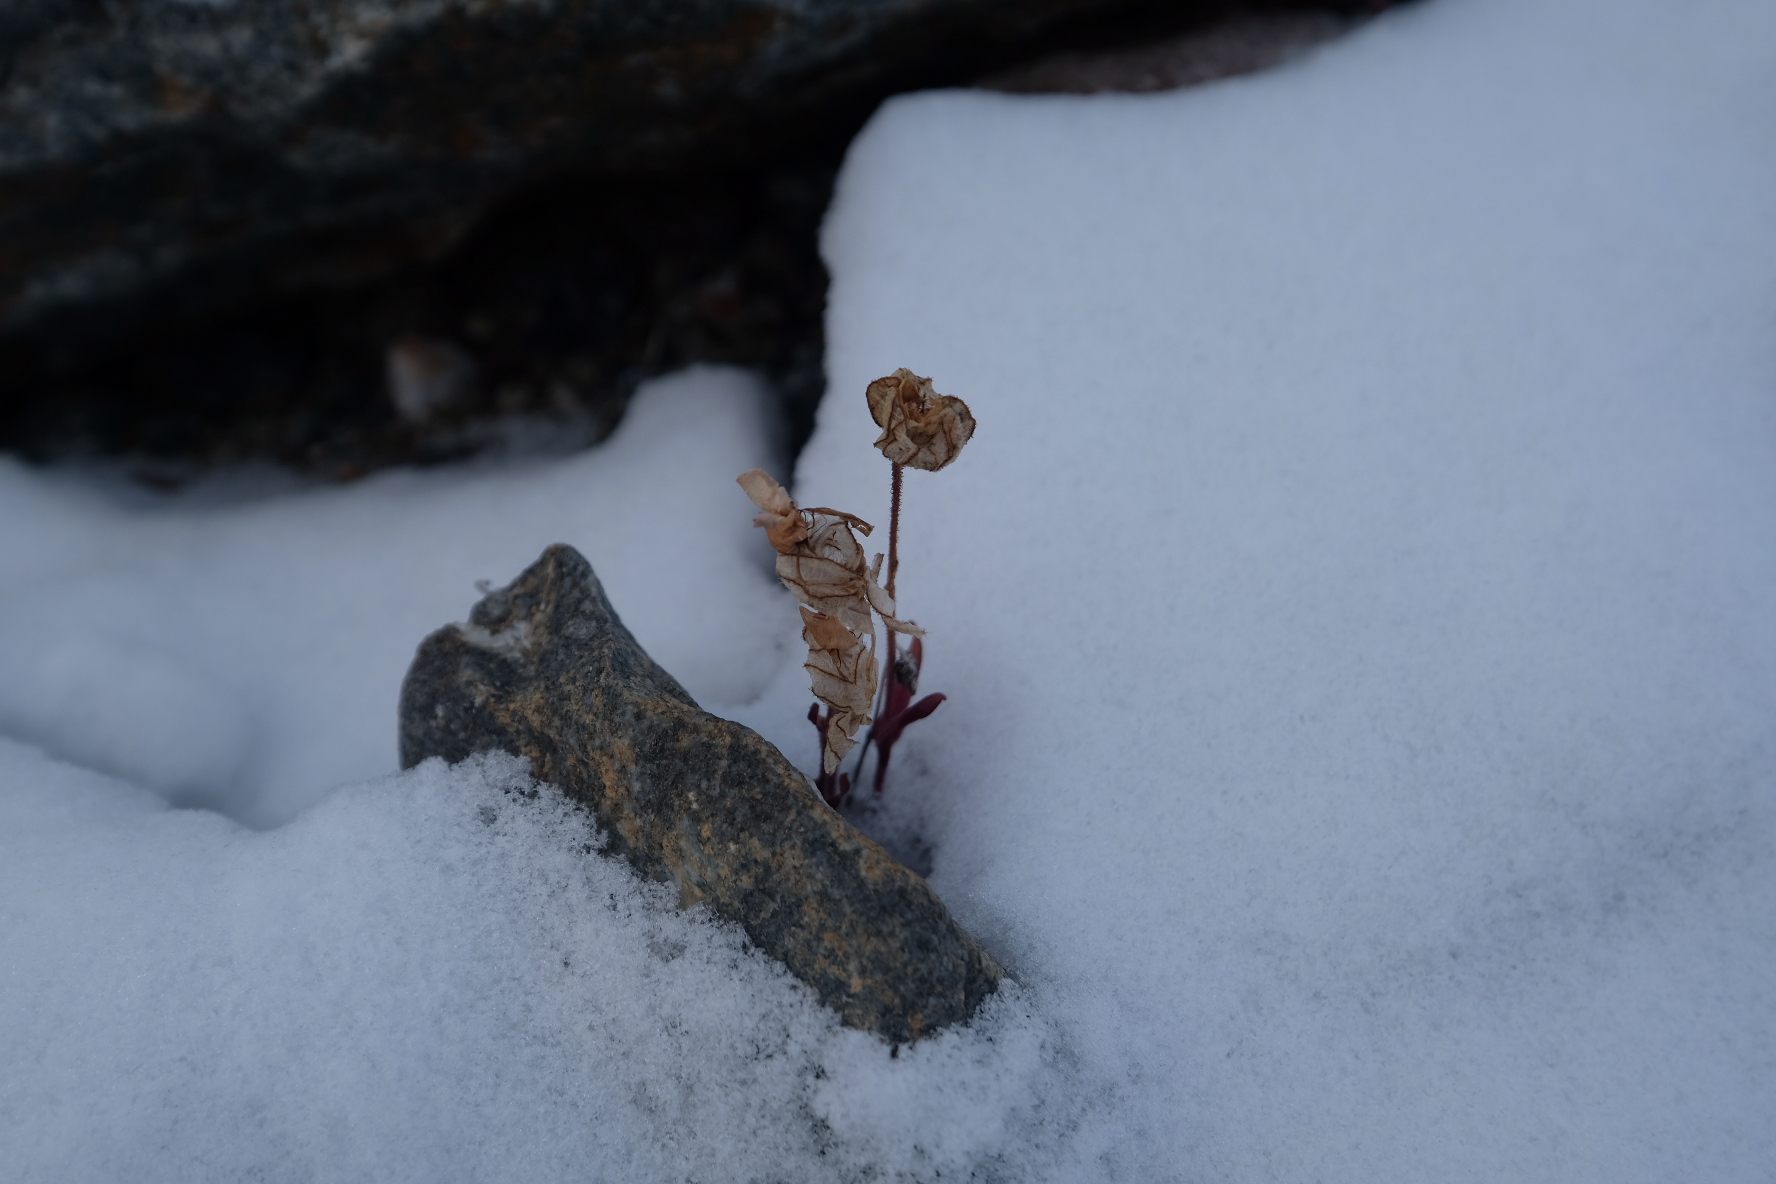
(893, 570)
(888, 651)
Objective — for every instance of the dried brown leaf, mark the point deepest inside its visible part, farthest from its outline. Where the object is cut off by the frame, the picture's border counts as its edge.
(884, 605)
(841, 669)
(783, 523)
(827, 572)
(920, 427)
(841, 738)
(827, 633)
(764, 491)
(820, 560)
(851, 520)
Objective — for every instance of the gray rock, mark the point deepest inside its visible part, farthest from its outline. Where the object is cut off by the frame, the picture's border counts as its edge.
(544, 669)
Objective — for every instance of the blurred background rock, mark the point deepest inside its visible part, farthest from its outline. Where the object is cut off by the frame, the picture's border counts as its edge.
(343, 234)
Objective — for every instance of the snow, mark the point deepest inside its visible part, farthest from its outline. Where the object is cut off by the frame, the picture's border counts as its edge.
(422, 978)
(245, 651)
(1355, 610)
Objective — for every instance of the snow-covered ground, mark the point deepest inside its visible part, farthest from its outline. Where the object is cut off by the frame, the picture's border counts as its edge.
(1358, 612)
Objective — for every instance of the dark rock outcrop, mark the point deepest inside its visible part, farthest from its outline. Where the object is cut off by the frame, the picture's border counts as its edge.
(320, 141)
(544, 669)
(216, 217)
(1239, 46)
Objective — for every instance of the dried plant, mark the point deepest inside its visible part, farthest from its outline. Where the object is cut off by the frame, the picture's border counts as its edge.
(920, 427)
(820, 560)
(925, 430)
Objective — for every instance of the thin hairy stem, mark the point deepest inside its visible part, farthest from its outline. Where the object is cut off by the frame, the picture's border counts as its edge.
(888, 651)
(893, 570)
(894, 532)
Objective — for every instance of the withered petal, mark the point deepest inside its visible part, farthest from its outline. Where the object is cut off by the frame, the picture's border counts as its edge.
(884, 605)
(785, 532)
(920, 428)
(848, 519)
(765, 493)
(828, 633)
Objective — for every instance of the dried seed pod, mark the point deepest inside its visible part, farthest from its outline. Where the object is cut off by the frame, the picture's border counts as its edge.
(920, 427)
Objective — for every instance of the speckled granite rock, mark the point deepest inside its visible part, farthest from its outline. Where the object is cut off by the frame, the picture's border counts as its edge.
(545, 669)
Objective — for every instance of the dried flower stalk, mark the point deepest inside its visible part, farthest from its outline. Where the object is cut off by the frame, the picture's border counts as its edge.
(924, 430)
(820, 560)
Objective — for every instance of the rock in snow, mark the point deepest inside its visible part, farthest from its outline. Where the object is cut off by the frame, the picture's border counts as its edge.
(546, 670)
